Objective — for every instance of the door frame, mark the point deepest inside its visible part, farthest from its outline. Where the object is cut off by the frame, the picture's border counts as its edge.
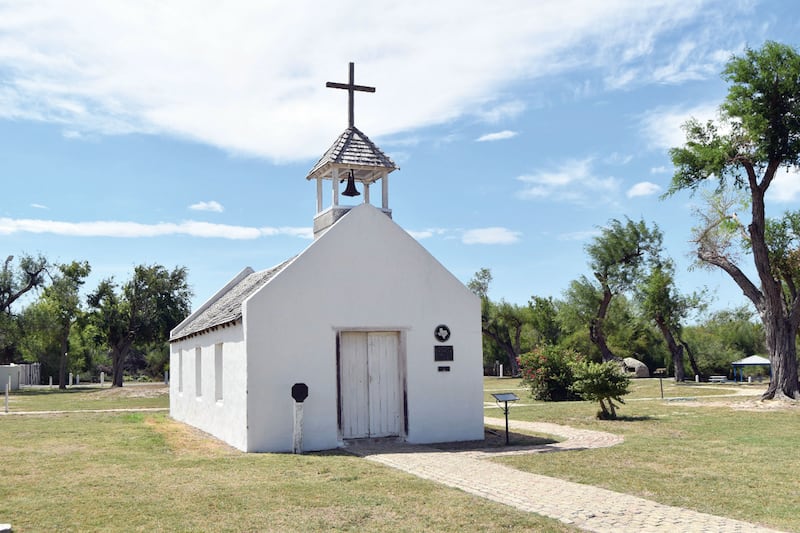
(401, 365)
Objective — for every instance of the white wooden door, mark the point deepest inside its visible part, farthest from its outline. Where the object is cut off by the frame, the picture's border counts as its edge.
(369, 381)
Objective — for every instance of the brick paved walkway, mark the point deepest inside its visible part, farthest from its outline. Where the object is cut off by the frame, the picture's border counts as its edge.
(583, 506)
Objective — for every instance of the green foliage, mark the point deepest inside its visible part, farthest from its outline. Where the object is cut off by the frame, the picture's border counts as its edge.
(617, 254)
(601, 382)
(783, 243)
(27, 276)
(544, 319)
(725, 337)
(547, 370)
(142, 312)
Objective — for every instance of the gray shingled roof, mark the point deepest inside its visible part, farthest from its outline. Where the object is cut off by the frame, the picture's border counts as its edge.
(352, 148)
(228, 307)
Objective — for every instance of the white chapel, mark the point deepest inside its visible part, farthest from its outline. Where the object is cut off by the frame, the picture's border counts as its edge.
(386, 341)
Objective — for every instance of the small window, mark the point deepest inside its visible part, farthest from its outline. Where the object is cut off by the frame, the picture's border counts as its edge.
(218, 372)
(198, 372)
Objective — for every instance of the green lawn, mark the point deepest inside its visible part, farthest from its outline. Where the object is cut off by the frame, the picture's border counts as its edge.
(699, 453)
(86, 397)
(144, 472)
(85, 471)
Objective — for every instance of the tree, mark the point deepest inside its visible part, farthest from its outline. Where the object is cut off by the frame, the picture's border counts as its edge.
(663, 304)
(14, 283)
(62, 294)
(144, 311)
(506, 327)
(544, 319)
(615, 257)
(757, 134)
(601, 382)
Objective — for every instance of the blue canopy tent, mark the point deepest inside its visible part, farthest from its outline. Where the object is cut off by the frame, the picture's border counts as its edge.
(753, 360)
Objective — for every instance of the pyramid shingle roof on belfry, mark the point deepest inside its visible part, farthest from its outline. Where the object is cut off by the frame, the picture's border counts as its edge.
(227, 308)
(352, 148)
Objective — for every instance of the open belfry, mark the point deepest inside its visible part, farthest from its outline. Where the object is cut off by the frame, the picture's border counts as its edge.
(381, 340)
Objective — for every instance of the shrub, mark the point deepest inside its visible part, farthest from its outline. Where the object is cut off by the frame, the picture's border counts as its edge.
(601, 382)
(547, 371)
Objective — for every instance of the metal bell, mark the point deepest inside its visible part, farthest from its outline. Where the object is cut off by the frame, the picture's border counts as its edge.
(351, 190)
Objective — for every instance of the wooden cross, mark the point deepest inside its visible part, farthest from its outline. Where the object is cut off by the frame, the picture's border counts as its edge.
(351, 87)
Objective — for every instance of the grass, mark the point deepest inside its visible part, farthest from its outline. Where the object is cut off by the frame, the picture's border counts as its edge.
(90, 397)
(710, 454)
(139, 471)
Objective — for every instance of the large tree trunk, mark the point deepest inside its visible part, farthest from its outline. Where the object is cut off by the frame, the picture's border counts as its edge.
(596, 333)
(118, 355)
(783, 358)
(690, 355)
(674, 348)
(62, 366)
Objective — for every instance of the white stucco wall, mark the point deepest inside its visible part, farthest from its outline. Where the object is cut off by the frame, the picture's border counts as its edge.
(365, 273)
(225, 419)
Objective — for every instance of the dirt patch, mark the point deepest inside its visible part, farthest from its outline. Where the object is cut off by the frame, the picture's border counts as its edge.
(755, 405)
(149, 390)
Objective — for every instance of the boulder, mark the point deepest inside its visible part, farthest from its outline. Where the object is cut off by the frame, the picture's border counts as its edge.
(636, 367)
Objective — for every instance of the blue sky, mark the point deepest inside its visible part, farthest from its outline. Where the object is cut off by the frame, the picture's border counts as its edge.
(180, 133)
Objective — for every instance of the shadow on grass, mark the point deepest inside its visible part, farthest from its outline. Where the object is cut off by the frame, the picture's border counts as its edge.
(625, 418)
(56, 390)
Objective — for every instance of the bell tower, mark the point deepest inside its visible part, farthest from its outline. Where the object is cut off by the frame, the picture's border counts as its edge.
(353, 159)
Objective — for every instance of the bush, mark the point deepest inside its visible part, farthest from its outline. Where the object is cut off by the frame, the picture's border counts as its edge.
(601, 382)
(547, 371)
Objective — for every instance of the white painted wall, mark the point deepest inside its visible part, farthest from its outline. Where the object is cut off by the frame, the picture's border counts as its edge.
(12, 371)
(364, 273)
(225, 419)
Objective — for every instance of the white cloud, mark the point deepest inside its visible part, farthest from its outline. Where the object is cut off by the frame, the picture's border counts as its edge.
(579, 235)
(659, 170)
(497, 136)
(643, 188)
(213, 206)
(499, 112)
(785, 187)
(663, 126)
(615, 158)
(209, 72)
(494, 235)
(39, 206)
(572, 182)
(118, 229)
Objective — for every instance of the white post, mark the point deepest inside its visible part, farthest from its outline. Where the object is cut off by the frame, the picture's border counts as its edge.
(385, 191)
(697, 378)
(51, 382)
(69, 383)
(8, 388)
(335, 188)
(166, 377)
(500, 373)
(102, 378)
(77, 379)
(319, 195)
(297, 440)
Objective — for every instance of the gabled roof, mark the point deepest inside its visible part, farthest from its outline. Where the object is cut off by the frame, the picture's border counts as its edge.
(753, 360)
(225, 307)
(352, 149)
